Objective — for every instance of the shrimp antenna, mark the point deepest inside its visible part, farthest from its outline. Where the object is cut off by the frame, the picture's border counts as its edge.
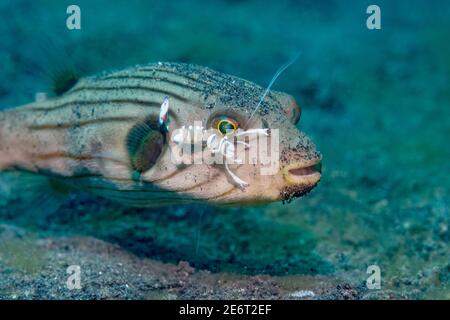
(274, 78)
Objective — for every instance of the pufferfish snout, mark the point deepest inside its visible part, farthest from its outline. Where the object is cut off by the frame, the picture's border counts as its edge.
(300, 161)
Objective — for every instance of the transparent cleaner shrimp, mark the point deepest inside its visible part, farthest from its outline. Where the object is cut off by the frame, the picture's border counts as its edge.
(226, 148)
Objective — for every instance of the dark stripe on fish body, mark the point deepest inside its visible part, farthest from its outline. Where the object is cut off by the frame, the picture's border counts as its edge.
(52, 155)
(56, 126)
(82, 157)
(99, 176)
(123, 197)
(159, 201)
(141, 103)
(127, 87)
(114, 190)
(88, 175)
(145, 78)
(176, 73)
(171, 191)
(210, 75)
(147, 200)
(153, 191)
(223, 194)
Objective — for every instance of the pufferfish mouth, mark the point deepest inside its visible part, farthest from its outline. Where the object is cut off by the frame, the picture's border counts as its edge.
(301, 178)
(300, 173)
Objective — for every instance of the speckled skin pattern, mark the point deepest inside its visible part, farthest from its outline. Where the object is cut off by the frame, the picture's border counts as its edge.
(80, 137)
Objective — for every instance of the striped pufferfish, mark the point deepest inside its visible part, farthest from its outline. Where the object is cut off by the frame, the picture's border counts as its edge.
(103, 136)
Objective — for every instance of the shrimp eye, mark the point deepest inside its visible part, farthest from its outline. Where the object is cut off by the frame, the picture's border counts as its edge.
(226, 126)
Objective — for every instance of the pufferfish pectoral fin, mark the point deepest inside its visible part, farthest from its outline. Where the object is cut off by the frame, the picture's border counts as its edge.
(145, 143)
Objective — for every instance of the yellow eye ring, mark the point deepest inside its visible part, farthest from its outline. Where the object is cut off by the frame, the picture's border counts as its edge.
(227, 126)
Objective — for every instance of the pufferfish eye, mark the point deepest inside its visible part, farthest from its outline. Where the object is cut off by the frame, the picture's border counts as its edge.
(226, 125)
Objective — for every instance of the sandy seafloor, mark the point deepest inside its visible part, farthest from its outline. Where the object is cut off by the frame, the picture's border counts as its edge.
(376, 103)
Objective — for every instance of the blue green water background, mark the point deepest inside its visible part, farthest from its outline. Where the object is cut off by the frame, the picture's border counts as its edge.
(375, 102)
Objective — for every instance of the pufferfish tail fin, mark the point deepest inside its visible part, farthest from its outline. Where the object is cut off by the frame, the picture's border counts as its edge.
(29, 197)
